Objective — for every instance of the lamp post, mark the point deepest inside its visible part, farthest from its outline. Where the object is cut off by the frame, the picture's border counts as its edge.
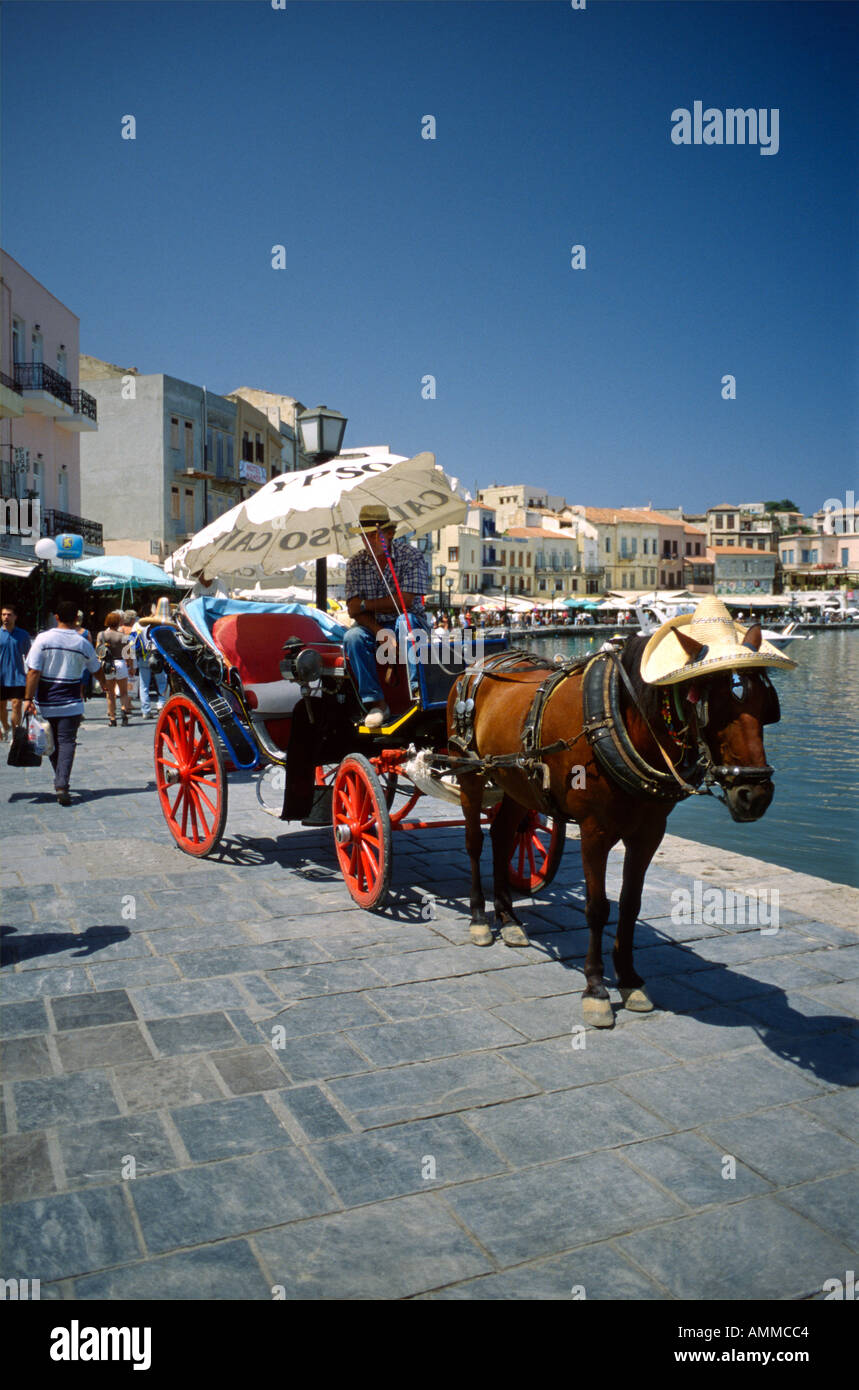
(322, 432)
(504, 586)
(441, 571)
(449, 583)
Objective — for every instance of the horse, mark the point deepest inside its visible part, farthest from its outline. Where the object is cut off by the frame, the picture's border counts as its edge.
(710, 731)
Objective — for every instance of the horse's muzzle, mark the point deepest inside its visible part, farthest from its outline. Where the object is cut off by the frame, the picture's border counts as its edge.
(749, 800)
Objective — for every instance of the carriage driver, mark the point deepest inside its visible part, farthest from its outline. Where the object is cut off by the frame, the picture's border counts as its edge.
(372, 601)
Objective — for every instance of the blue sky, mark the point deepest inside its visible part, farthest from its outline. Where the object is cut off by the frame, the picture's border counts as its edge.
(407, 257)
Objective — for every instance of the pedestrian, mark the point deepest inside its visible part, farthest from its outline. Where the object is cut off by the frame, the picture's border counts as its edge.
(86, 679)
(110, 644)
(126, 627)
(378, 599)
(148, 660)
(14, 646)
(56, 662)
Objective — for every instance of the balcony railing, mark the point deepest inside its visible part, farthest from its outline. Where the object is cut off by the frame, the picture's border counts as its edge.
(38, 376)
(85, 404)
(56, 523)
(8, 382)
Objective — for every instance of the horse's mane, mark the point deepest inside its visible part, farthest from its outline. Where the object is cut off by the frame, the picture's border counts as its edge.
(648, 696)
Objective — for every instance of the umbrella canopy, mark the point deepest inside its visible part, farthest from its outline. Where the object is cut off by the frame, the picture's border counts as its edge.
(306, 516)
(125, 568)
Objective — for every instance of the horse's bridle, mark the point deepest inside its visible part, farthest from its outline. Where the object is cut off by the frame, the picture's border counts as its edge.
(721, 776)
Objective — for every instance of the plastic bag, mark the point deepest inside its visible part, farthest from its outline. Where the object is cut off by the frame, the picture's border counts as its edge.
(41, 737)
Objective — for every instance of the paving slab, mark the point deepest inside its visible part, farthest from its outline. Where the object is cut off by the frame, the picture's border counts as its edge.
(226, 1271)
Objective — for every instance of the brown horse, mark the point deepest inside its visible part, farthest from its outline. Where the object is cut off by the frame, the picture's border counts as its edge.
(714, 723)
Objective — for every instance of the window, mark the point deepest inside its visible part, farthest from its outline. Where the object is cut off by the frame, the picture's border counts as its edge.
(697, 547)
(608, 545)
(730, 521)
(231, 464)
(36, 346)
(210, 448)
(219, 462)
(174, 432)
(174, 503)
(673, 547)
(559, 585)
(574, 585)
(541, 585)
(453, 552)
(61, 362)
(845, 558)
(260, 449)
(189, 509)
(247, 448)
(528, 560)
(189, 444)
(18, 354)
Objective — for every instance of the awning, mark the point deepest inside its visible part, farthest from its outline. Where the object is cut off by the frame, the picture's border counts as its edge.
(16, 569)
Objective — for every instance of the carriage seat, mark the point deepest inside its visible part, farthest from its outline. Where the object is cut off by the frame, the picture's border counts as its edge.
(253, 643)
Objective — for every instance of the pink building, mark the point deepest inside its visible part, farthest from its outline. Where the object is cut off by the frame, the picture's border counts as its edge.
(42, 410)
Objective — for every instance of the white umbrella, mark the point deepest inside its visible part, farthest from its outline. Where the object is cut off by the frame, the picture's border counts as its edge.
(306, 516)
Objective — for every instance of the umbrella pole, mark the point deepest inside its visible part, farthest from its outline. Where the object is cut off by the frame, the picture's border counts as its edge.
(322, 585)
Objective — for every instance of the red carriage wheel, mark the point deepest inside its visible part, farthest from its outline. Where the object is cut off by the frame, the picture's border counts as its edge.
(538, 846)
(362, 831)
(190, 776)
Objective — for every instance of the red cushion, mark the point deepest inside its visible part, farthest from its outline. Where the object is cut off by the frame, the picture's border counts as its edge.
(253, 642)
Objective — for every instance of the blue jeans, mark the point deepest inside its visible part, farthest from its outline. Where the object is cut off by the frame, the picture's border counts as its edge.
(160, 682)
(65, 738)
(360, 645)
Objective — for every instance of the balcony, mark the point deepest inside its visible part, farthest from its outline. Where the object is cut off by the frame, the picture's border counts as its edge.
(11, 400)
(45, 392)
(56, 523)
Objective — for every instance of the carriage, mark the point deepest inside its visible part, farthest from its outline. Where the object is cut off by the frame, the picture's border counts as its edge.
(266, 689)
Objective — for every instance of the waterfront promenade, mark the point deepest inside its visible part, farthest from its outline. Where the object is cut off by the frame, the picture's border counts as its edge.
(222, 1079)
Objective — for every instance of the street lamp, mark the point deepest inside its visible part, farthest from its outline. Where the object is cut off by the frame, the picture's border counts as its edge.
(322, 432)
(504, 587)
(449, 583)
(441, 571)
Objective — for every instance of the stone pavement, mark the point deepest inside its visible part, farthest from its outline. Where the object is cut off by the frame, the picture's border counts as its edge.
(222, 1078)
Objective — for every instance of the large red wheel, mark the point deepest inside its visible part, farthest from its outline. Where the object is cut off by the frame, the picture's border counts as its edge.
(538, 846)
(190, 775)
(362, 831)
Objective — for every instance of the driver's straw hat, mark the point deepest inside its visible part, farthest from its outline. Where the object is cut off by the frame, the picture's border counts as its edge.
(704, 643)
(372, 517)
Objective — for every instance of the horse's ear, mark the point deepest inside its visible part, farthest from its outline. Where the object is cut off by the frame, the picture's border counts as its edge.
(694, 650)
(753, 638)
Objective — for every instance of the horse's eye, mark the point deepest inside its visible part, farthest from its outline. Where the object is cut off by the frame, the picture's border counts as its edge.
(738, 686)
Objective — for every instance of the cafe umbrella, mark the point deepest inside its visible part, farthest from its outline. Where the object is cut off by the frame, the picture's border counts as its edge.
(305, 516)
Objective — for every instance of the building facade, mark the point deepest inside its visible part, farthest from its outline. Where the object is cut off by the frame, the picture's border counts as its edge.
(820, 561)
(43, 413)
(742, 569)
(170, 457)
(748, 525)
(638, 549)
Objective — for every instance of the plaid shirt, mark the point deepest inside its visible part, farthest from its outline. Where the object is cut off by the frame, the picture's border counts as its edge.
(364, 581)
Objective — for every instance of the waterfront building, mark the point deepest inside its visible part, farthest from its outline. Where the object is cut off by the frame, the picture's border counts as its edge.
(43, 415)
(749, 525)
(820, 561)
(639, 549)
(698, 568)
(172, 456)
(742, 569)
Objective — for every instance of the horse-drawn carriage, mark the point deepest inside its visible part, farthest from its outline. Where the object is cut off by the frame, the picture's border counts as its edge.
(267, 688)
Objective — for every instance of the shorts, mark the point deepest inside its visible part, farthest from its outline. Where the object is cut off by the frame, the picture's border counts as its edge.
(120, 672)
(12, 692)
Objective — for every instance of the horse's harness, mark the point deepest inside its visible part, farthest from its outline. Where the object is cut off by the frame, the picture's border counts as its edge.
(604, 728)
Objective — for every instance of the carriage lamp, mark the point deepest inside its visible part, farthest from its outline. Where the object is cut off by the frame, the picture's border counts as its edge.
(290, 652)
(308, 666)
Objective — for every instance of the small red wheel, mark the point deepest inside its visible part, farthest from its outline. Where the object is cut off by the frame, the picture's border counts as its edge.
(362, 831)
(190, 776)
(538, 846)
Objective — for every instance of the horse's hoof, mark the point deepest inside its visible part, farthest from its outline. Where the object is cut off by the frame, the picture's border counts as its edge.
(480, 934)
(636, 999)
(598, 1013)
(513, 935)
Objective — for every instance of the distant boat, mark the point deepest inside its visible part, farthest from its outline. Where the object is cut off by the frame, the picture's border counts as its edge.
(653, 615)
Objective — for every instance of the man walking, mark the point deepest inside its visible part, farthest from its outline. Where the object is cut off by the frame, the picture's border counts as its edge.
(373, 601)
(14, 646)
(57, 661)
